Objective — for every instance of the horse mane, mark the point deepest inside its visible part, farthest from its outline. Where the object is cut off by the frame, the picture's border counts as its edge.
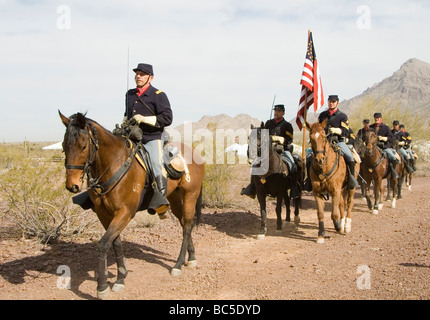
(77, 123)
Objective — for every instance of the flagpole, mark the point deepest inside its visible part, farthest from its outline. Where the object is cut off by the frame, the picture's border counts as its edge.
(304, 126)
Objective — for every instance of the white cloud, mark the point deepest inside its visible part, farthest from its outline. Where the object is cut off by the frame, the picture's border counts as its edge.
(210, 57)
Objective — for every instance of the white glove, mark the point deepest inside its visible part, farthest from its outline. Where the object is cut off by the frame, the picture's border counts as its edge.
(337, 131)
(142, 119)
(401, 143)
(278, 139)
(385, 139)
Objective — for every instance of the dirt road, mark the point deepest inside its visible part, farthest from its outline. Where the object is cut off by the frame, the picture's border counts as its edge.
(386, 256)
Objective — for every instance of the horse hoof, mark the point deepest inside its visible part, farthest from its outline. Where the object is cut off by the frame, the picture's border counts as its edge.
(103, 294)
(278, 231)
(374, 211)
(393, 204)
(192, 264)
(380, 206)
(296, 220)
(260, 236)
(348, 225)
(176, 272)
(320, 240)
(342, 225)
(118, 287)
(410, 188)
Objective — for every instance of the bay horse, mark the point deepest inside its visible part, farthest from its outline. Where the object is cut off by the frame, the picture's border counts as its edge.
(360, 147)
(95, 152)
(270, 178)
(376, 168)
(328, 174)
(401, 171)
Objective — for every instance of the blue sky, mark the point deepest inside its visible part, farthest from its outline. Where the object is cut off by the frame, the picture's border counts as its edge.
(210, 57)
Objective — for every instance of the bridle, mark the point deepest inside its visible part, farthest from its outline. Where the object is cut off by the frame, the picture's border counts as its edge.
(94, 146)
(319, 172)
(370, 151)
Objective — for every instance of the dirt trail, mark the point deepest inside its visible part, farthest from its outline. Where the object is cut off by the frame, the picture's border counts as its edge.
(386, 256)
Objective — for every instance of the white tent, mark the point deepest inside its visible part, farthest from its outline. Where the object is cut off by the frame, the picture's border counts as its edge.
(55, 146)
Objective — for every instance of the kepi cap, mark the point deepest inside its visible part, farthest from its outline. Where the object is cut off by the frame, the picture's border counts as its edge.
(333, 97)
(279, 107)
(366, 121)
(144, 67)
(396, 122)
(377, 115)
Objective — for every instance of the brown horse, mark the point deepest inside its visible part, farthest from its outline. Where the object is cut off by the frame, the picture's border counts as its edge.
(375, 169)
(271, 177)
(94, 151)
(328, 174)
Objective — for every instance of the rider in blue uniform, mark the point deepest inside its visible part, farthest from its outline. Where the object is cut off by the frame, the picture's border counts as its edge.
(385, 137)
(337, 124)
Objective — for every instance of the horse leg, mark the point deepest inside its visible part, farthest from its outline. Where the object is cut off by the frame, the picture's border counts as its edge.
(338, 210)
(185, 213)
(262, 200)
(349, 205)
(377, 192)
(393, 202)
(366, 193)
(120, 262)
(279, 200)
(118, 223)
(320, 213)
(287, 205)
(400, 186)
(389, 190)
(297, 210)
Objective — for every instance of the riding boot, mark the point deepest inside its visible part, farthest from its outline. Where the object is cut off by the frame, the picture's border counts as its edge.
(414, 166)
(408, 167)
(159, 203)
(249, 191)
(393, 164)
(352, 182)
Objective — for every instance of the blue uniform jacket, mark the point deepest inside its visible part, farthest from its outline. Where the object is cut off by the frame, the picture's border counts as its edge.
(152, 102)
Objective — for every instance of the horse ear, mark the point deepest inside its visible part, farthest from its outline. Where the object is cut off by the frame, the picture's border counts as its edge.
(308, 126)
(252, 126)
(324, 123)
(64, 119)
(262, 125)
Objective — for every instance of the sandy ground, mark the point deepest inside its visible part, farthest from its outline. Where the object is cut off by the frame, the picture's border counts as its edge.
(386, 256)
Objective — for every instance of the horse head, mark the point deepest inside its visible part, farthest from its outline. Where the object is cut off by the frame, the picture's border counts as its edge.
(77, 143)
(259, 149)
(319, 142)
(371, 141)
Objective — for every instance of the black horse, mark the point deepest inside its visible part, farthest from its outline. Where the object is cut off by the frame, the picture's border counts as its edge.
(270, 177)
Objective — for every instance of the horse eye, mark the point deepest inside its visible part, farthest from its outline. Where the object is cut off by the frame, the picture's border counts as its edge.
(84, 147)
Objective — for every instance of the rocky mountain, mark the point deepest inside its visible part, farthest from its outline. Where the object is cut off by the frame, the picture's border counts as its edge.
(408, 87)
(222, 121)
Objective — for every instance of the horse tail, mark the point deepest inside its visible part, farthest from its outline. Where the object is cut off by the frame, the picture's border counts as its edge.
(199, 205)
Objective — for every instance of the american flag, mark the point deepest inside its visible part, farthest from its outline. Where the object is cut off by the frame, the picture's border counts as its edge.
(311, 83)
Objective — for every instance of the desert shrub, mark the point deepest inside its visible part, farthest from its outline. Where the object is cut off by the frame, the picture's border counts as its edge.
(216, 185)
(35, 199)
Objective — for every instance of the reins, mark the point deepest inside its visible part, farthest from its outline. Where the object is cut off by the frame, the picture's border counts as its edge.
(322, 175)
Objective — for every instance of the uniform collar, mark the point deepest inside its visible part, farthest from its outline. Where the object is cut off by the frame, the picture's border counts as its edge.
(330, 112)
(146, 91)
